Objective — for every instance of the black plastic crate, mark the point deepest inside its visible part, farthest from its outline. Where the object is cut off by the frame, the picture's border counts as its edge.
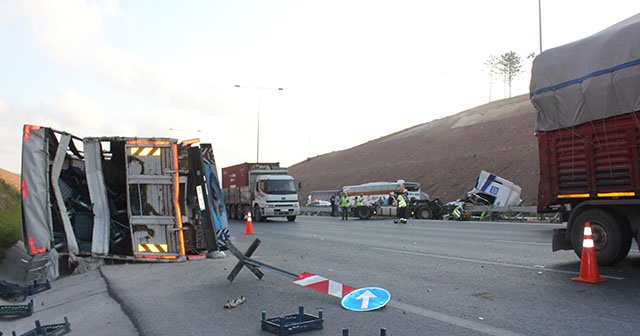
(10, 290)
(57, 329)
(290, 324)
(17, 310)
(383, 332)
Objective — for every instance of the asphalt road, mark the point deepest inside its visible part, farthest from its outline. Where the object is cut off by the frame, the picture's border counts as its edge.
(445, 278)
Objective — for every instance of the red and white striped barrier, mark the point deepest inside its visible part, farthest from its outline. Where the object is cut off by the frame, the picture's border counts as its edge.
(323, 285)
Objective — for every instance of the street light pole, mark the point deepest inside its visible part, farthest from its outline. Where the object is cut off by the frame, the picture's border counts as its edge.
(258, 121)
(540, 23)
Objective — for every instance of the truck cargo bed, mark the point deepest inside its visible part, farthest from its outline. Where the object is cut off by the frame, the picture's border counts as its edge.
(597, 159)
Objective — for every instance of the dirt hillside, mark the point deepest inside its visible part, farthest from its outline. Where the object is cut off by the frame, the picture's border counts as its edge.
(445, 156)
(10, 178)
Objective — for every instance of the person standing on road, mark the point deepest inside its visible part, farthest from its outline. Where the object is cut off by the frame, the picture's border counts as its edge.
(334, 206)
(344, 204)
(402, 207)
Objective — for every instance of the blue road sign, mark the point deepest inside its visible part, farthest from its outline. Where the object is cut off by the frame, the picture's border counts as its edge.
(366, 299)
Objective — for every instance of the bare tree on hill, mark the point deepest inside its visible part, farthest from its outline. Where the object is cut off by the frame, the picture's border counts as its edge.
(492, 68)
(509, 66)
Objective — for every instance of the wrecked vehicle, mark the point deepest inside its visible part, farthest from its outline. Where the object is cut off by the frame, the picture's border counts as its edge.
(494, 190)
(119, 197)
(378, 199)
(491, 197)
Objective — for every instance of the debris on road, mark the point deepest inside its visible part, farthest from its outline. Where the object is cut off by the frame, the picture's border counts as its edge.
(289, 324)
(57, 329)
(10, 290)
(235, 302)
(17, 310)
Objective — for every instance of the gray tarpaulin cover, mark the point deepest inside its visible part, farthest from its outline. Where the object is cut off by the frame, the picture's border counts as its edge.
(590, 79)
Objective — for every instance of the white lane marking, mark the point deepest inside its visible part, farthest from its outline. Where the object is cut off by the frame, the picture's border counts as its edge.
(521, 242)
(535, 267)
(460, 322)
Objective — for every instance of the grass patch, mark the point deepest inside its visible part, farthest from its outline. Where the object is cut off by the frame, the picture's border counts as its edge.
(10, 217)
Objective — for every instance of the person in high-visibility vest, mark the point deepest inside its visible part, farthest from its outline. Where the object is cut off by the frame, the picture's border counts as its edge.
(402, 207)
(458, 212)
(359, 201)
(344, 204)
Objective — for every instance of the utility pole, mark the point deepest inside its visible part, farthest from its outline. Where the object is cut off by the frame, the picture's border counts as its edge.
(258, 90)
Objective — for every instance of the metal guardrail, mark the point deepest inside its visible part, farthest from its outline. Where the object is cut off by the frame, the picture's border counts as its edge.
(326, 211)
(315, 211)
(489, 212)
(511, 213)
(503, 209)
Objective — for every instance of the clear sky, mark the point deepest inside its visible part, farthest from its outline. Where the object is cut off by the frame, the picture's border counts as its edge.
(351, 71)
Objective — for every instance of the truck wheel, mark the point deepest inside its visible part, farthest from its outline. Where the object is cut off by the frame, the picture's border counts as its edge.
(626, 243)
(609, 237)
(291, 218)
(363, 212)
(256, 214)
(423, 212)
(232, 212)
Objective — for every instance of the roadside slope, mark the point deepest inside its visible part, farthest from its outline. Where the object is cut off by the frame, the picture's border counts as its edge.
(445, 156)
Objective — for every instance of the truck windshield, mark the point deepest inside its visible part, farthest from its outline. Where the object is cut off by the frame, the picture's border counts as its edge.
(278, 187)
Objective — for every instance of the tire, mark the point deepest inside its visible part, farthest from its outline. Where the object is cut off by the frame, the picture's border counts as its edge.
(256, 214)
(239, 213)
(626, 243)
(291, 218)
(611, 236)
(423, 212)
(363, 212)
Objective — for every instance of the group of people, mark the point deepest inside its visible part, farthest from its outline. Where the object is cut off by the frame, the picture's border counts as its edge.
(341, 200)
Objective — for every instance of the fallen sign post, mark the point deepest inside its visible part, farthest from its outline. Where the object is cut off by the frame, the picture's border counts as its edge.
(366, 299)
(304, 279)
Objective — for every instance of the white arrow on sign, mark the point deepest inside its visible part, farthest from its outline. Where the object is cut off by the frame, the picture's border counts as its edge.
(365, 299)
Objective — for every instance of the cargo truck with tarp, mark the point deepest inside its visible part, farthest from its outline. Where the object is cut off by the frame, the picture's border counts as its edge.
(118, 197)
(587, 98)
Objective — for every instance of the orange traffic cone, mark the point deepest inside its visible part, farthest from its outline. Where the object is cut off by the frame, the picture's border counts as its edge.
(589, 264)
(249, 229)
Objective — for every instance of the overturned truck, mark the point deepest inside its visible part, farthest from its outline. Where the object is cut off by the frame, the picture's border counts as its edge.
(149, 199)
